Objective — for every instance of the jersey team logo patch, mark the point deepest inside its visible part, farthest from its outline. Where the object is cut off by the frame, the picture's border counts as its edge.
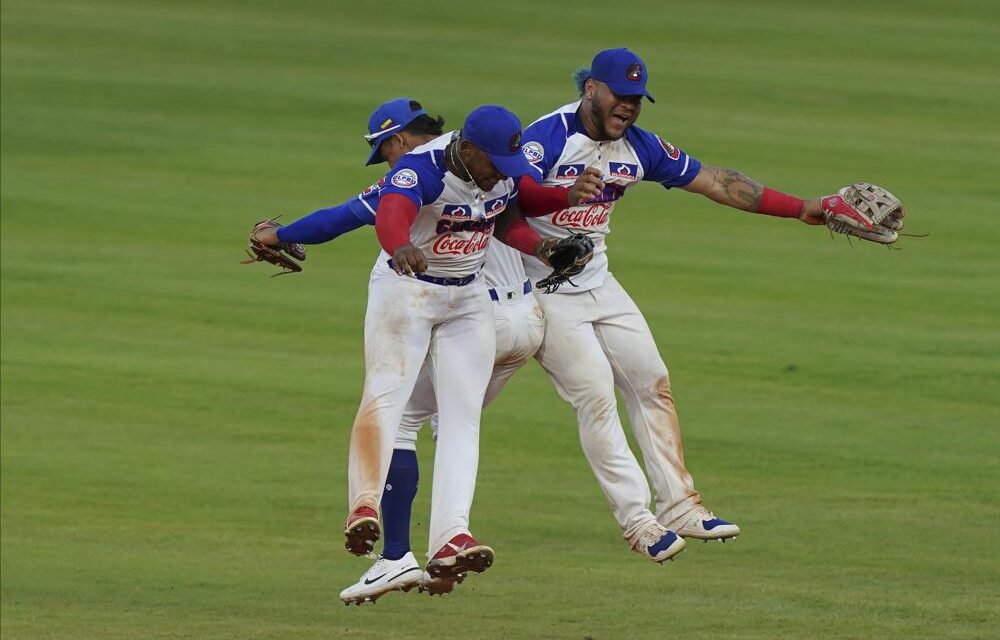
(405, 179)
(672, 152)
(533, 151)
(569, 170)
(372, 189)
(495, 207)
(457, 212)
(624, 170)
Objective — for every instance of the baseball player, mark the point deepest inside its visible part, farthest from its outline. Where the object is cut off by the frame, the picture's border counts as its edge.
(596, 339)
(438, 209)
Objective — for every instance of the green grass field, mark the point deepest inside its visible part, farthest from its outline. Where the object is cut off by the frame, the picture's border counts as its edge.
(175, 426)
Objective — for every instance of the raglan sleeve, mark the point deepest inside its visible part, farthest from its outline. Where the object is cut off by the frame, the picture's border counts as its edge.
(540, 145)
(413, 179)
(662, 161)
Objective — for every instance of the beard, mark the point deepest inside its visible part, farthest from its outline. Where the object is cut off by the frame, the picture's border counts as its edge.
(600, 117)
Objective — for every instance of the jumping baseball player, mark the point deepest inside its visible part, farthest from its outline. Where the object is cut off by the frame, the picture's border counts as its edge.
(596, 339)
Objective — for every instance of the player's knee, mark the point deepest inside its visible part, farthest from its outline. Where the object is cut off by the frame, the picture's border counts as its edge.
(655, 391)
(596, 409)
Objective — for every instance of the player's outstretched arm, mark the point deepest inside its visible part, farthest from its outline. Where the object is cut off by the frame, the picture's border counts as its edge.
(733, 188)
(318, 227)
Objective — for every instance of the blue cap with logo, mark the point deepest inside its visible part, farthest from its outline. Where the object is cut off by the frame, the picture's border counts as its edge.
(497, 131)
(622, 70)
(389, 118)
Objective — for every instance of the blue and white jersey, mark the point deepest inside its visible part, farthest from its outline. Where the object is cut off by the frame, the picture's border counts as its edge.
(455, 220)
(503, 267)
(560, 150)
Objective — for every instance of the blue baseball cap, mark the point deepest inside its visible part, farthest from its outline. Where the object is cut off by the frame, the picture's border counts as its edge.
(622, 70)
(389, 118)
(497, 131)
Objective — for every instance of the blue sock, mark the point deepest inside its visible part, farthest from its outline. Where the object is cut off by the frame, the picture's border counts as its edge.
(397, 502)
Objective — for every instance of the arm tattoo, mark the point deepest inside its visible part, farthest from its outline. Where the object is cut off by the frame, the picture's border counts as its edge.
(736, 190)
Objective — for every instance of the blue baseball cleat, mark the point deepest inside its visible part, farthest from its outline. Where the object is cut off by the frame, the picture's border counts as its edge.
(703, 525)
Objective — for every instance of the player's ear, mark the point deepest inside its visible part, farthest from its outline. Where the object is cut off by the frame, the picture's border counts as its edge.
(466, 150)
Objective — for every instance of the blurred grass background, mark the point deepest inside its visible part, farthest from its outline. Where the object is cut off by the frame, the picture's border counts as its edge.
(175, 426)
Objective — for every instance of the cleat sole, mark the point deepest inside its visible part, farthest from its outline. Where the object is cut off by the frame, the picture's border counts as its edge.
(360, 538)
(476, 560)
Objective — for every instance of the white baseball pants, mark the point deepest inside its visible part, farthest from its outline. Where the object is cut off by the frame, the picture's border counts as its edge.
(596, 341)
(520, 325)
(407, 322)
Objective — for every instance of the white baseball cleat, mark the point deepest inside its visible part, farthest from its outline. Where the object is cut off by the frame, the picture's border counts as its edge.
(384, 576)
(439, 586)
(658, 543)
(703, 525)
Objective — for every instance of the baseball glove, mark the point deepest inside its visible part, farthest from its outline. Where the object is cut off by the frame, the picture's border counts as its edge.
(280, 254)
(567, 257)
(866, 211)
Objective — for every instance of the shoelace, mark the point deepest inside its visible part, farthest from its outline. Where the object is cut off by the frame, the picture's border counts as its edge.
(652, 535)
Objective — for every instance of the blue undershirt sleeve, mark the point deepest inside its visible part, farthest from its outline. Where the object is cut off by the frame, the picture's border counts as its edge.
(326, 224)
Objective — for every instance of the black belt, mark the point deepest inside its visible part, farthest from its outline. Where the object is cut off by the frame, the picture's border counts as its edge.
(444, 282)
(526, 289)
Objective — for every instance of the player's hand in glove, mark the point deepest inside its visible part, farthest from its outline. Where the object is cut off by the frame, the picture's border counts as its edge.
(567, 257)
(865, 211)
(265, 247)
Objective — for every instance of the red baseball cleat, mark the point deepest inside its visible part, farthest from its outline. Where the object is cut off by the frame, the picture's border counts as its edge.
(362, 531)
(458, 556)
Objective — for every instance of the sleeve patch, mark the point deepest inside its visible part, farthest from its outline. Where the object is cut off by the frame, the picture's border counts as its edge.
(405, 179)
(672, 152)
(533, 151)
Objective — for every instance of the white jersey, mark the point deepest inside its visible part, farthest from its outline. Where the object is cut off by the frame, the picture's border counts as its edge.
(504, 267)
(455, 220)
(560, 150)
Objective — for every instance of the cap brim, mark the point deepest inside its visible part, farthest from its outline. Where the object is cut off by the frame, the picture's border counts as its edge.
(512, 166)
(626, 89)
(375, 157)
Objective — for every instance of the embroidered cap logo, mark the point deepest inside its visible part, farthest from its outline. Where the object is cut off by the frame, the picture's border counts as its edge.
(634, 72)
(515, 142)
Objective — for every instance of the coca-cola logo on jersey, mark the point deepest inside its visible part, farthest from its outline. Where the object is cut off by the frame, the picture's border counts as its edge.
(450, 245)
(593, 217)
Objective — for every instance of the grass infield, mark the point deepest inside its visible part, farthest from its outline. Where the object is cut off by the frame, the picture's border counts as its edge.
(175, 426)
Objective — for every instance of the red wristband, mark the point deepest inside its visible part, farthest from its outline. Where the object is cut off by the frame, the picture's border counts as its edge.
(536, 200)
(782, 205)
(395, 214)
